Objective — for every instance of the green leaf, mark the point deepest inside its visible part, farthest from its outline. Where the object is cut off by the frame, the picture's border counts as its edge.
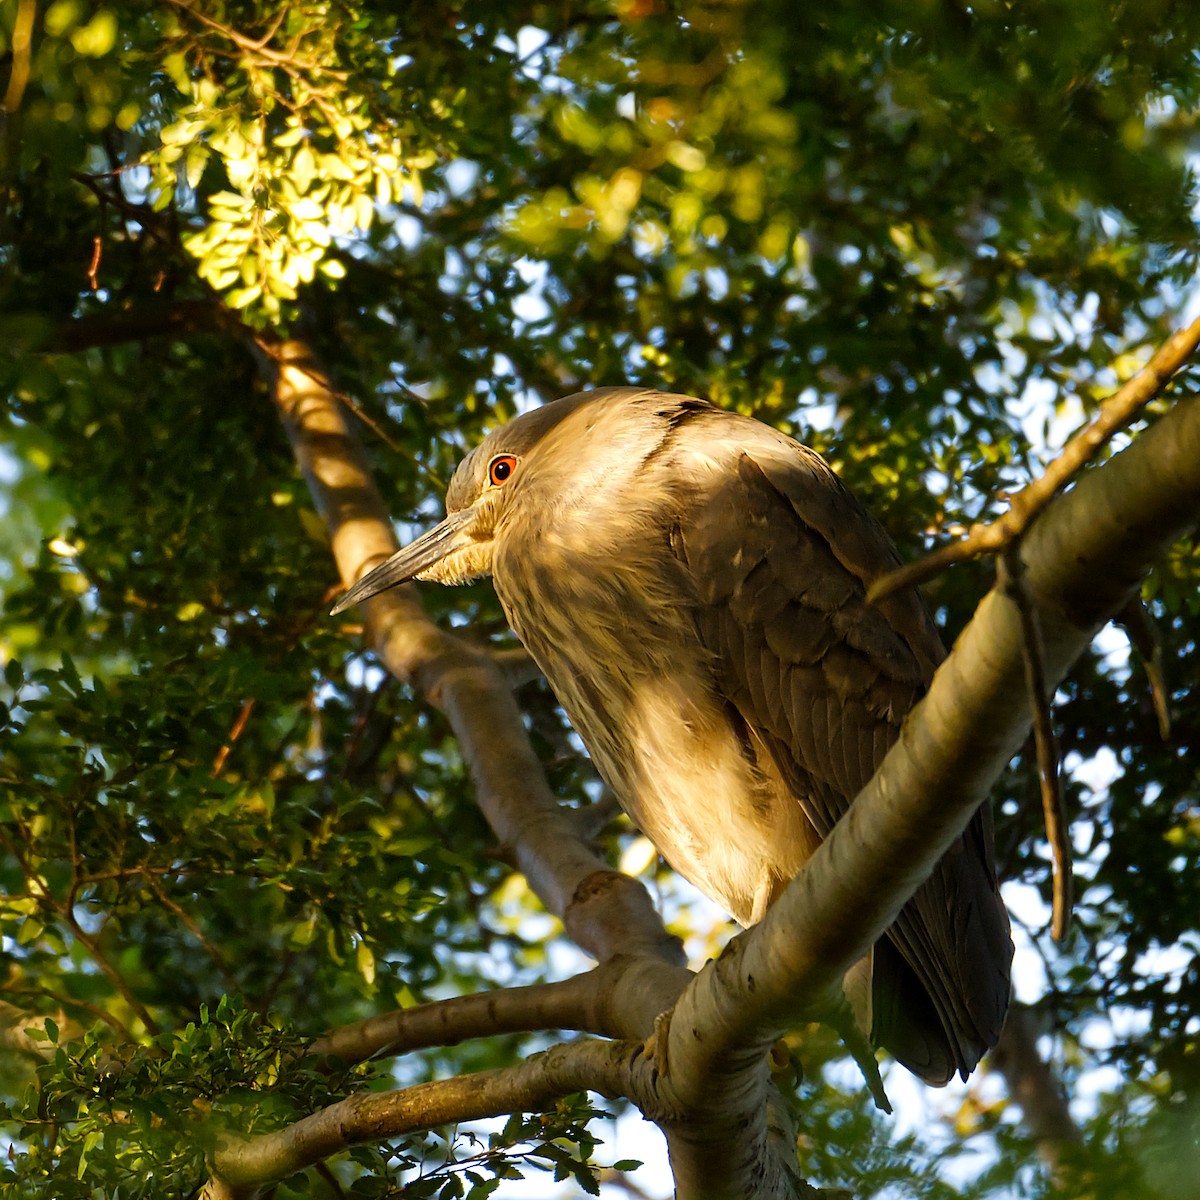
(61, 15)
(304, 168)
(98, 36)
(71, 675)
(365, 961)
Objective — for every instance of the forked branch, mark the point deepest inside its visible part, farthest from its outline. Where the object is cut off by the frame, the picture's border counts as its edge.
(1115, 413)
(245, 1166)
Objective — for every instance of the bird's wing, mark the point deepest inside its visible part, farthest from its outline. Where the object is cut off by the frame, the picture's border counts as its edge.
(780, 556)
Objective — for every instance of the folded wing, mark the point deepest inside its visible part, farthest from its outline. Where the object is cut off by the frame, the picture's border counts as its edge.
(781, 555)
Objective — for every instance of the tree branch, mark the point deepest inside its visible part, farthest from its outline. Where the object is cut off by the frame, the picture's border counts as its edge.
(176, 319)
(1143, 636)
(1115, 413)
(601, 1001)
(244, 1166)
(1032, 1085)
(605, 912)
(1054, 804)
(259, 49)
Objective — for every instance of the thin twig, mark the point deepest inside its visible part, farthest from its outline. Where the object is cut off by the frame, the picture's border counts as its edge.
(235, 732)
(190, 923)
(355, 762)
(195, 316)
(154, 223)
(1143, 635)
(1115, 413)
(114, 976)
(93, 271)
(259, 43)
(65, 912)
(283, 972)
(1054, 809)
(621, 1181)
(173, 869)
(65, 1002)
(285, 59)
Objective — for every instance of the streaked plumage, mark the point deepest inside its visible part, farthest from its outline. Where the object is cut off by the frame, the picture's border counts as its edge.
(692, 584)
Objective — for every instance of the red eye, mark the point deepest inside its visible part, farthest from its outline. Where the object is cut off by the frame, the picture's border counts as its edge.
(501, 467)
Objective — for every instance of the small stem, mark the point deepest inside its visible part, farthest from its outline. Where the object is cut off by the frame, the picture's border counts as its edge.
(194, 929)
(1054, 808)
(67, 1002)
(114, 976)
(235, 732)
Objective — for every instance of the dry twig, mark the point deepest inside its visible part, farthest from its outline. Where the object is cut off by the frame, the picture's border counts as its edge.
(1054, 807)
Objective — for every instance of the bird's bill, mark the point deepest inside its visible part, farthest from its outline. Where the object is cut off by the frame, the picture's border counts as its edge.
(413, 561)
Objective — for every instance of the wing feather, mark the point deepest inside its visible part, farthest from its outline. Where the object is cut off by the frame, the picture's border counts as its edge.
(781, 555)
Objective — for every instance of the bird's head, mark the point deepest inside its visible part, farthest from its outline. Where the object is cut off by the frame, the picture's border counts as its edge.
(488, 488)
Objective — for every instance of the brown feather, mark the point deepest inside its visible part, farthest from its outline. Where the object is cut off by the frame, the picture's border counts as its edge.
(794, 553)
(693, 584)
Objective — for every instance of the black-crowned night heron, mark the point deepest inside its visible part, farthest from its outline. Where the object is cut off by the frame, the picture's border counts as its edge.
(692, 584)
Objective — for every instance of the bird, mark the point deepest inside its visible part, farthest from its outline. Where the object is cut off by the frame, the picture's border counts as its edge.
(693, 584)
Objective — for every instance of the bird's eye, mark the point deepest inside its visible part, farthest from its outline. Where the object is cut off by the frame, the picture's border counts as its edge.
(501, 467)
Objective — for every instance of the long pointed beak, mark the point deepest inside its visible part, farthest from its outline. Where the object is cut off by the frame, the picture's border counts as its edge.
(412, 561)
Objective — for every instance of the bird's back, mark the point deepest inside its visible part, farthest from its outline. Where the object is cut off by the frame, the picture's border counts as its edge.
(781, 555)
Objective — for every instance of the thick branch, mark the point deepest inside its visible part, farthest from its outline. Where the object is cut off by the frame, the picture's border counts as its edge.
(1083, 559)
(604, 1067)
(176, 319)
(605, 913)
(620, 998)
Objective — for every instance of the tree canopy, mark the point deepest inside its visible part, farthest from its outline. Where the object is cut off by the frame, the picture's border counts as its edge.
(264, 264)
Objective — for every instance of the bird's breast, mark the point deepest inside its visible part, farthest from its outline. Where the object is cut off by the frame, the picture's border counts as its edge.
(616, 640)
